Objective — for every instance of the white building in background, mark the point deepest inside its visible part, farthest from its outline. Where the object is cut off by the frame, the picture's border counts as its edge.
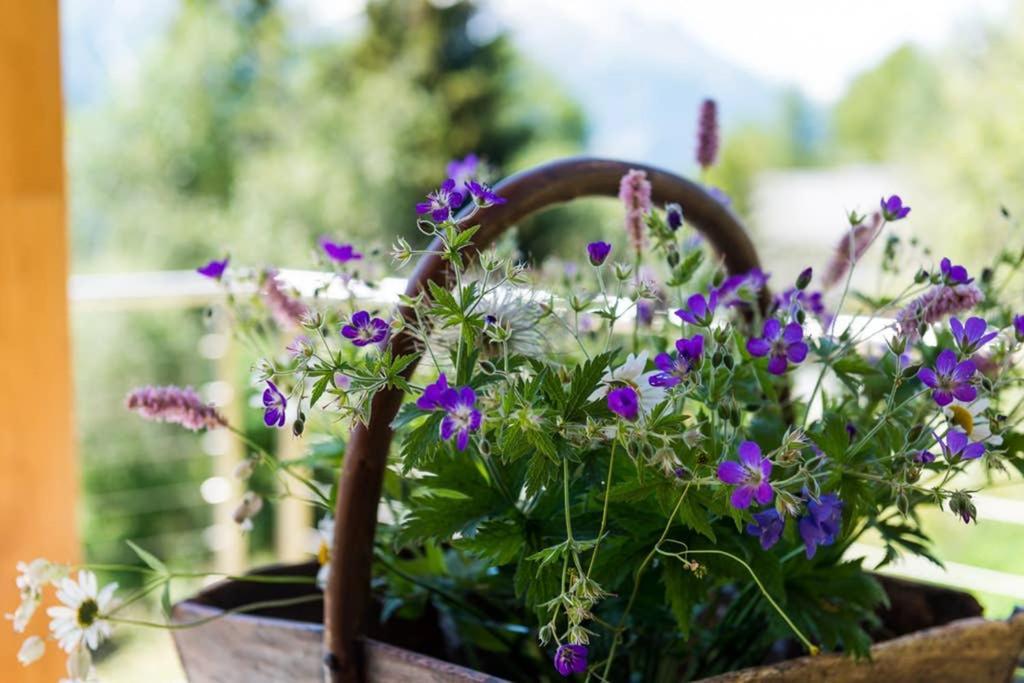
(799, 215)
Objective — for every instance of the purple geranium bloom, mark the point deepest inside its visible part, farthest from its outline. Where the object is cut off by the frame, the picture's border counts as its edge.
(749, 476)
(598, 252)
(462, 416)
(970, 336)
(742, 288)
(433, 393)
(954, 274)
(820, 525)
(893, 209)
(214, 269)
(957, 446)
(464, 170)
(645, 312)
(949, 379)
(571, 659)
(1018, 327)
(483, 195)
(363, 330)
(624, 402)
(274, 406)
(794, 300)
(342, 253)
(767, 526)
(924, 457)
(441, 201)
(699, 311)
(675, 367)
(782, 345)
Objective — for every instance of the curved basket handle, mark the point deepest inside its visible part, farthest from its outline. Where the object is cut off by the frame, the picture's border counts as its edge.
(359, 487)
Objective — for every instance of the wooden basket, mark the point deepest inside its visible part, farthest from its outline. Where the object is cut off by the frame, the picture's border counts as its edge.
(265, 648)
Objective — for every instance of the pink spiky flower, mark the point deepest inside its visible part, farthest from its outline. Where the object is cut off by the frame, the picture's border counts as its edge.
(635, 193)
(850, 249)
(176, 405)
(707, 134)
(287, 310)
(938, 303)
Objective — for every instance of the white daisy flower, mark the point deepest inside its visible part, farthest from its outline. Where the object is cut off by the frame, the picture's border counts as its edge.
(31, 650)
(325, 534)
(82, 617)
(971, 418)
(631, 373)
(32, 578)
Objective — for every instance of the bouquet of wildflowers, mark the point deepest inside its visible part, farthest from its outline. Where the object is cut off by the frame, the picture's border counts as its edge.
(641, 465)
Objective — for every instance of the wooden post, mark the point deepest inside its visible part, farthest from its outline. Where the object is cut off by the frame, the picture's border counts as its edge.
(39, 480)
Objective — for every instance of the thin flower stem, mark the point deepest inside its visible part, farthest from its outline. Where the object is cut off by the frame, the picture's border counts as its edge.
(568, 517)
(251, 607)
(811, 647)
(636, 583)
(604, 511)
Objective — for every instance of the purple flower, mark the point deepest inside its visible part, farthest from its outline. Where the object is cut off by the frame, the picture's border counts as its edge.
(342, 253)
(767, 527)
(464, 170)
(433, 393)
(598, 252)
(957, 446)
(742, 288)
(749, 475)
(794, 300)
(970, 336)
(441, 202)
(893, 209)
(949, 379)
(624, 402)
(674, 216)
(214, 269)
(483, 195)
(571, 659)
(699, 311)
(462, 416)
(286, 310)
(676, 367)
(635, 193)
(924, 457)
(1018, 327)
(820, 525)
(954, 274)
(852, 246)
(707, 134)
(274, 406)
(782, 345)
(175, 405)
(363, 330)
(300, 347)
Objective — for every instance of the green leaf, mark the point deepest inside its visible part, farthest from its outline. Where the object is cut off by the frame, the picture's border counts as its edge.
(682, 590)
(148, 558)
(318, 389)
(584, 380)
(499, 541)
(165, 599)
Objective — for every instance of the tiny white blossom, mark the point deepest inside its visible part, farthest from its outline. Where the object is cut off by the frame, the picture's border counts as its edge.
(81, 619)
(32, 578)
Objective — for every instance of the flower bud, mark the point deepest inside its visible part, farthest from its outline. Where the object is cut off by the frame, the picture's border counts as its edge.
(915, 433)
(921, 276)
(674, 216)
(298, 426)
(961, 504)
(31, 650)
(243, 470)
(804, 278)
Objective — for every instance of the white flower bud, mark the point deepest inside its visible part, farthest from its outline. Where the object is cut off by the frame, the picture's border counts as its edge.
(31, 650)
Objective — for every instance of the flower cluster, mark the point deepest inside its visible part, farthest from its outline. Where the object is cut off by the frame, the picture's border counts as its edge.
(175, 405)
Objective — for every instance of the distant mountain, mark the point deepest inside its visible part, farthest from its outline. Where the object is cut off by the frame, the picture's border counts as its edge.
(639, 81)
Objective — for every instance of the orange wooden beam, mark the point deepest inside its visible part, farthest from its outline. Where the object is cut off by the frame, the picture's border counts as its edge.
(38, 474)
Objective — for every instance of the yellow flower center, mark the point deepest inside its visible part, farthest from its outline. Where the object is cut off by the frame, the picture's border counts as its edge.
(323, 553)
(963, 418)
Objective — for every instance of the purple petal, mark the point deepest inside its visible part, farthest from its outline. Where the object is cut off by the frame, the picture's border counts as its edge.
(771, 329)
(730, 472)
(975, 327)
(758, 347)
(777, 365)
(764, 493)
(664, 362)
(467, 396)
(750, 455)
(965, 393)
(957, 328)
(942, 397)
(797, 352)
(956, 441)
(447, 428)
(945, 363)
(973, 451)
(462, 440)
(964, 371)
(742, 497)
(793, 333)
(927, 376)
